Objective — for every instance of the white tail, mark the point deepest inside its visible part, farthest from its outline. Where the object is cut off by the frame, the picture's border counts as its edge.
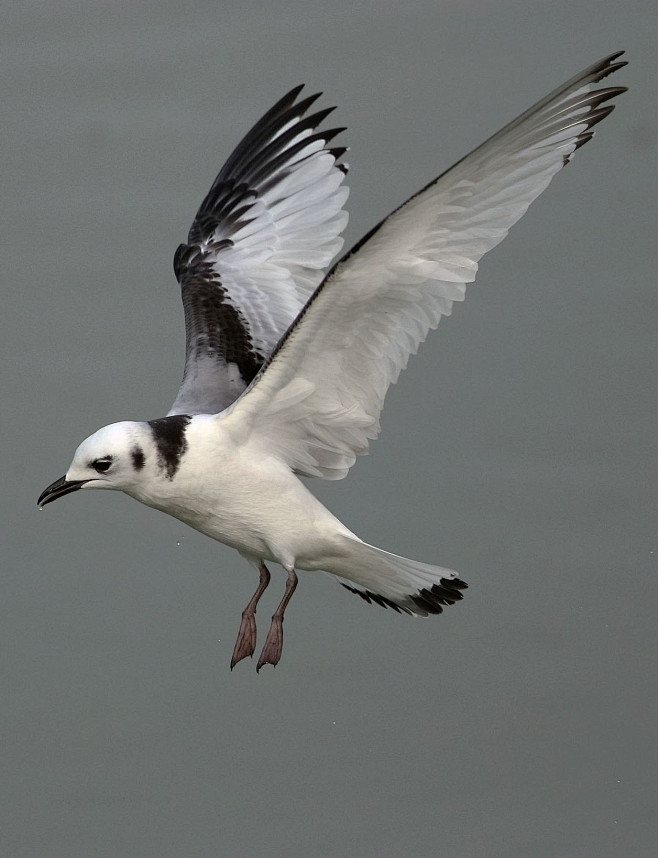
(398, 582)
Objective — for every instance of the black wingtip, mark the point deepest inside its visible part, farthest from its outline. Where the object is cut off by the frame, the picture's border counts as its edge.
(614, 56)
(302, 106)
(338, 152)
(608, 65)
(289, 98)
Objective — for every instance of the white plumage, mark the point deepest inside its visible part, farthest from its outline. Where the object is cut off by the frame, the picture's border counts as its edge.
(286, 372)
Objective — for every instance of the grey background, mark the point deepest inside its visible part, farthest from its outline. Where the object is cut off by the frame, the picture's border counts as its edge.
(518, 448)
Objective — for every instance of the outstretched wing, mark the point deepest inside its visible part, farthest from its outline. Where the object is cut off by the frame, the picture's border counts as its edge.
(269, 225)
(318, 401)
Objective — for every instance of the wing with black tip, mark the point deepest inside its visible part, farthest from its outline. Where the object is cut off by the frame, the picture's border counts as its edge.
(316, 405)
(268, 227)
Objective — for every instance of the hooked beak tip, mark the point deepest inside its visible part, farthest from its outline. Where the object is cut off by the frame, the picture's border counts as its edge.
(58, 489)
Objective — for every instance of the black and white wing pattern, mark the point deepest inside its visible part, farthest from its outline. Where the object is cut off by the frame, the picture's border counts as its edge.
(269, 225)
(317, 403)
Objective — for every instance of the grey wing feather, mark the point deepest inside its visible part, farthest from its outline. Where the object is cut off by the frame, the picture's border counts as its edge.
(268, 227)
(316, 403)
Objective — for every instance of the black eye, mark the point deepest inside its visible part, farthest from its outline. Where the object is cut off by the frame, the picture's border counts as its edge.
(101, 465)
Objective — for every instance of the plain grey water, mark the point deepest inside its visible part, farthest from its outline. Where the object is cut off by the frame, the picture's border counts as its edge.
(519, 448)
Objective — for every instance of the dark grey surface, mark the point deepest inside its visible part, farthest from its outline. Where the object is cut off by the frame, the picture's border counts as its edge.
(518, 448)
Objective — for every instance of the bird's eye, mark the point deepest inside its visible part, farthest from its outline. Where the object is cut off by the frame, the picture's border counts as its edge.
(101, 465)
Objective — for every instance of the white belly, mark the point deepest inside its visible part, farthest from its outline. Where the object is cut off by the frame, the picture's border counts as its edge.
(262, 511)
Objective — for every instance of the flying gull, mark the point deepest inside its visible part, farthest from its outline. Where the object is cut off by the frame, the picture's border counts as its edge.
(286, 369)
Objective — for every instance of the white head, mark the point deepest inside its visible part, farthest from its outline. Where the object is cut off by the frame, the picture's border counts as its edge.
(112, 458)
(125, 456)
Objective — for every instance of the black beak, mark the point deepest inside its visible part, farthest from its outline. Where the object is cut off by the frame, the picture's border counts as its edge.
(58, 489)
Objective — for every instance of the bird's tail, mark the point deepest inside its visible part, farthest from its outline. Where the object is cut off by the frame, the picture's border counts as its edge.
(397, 582)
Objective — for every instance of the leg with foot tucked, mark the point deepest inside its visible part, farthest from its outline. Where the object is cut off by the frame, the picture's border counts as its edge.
(274, 643)
(246, 641)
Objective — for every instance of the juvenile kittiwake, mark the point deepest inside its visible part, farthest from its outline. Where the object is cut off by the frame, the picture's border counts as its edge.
(286, 370)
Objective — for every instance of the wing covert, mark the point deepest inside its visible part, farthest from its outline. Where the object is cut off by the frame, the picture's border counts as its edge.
(267, 228)
(317, 403)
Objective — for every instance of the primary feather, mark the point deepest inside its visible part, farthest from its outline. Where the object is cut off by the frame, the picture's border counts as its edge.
(251, 278)
(317, 403)
(268, 227)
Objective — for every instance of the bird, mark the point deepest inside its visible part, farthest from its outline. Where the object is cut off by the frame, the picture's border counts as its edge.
(287, 367)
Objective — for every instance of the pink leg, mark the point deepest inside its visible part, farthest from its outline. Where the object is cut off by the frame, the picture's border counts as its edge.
(274, 642)
(246, 641)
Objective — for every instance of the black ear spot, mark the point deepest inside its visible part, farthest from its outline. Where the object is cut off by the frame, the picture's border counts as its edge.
(138, 457)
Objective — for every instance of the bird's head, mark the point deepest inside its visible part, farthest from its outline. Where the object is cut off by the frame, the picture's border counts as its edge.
(112, 458)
